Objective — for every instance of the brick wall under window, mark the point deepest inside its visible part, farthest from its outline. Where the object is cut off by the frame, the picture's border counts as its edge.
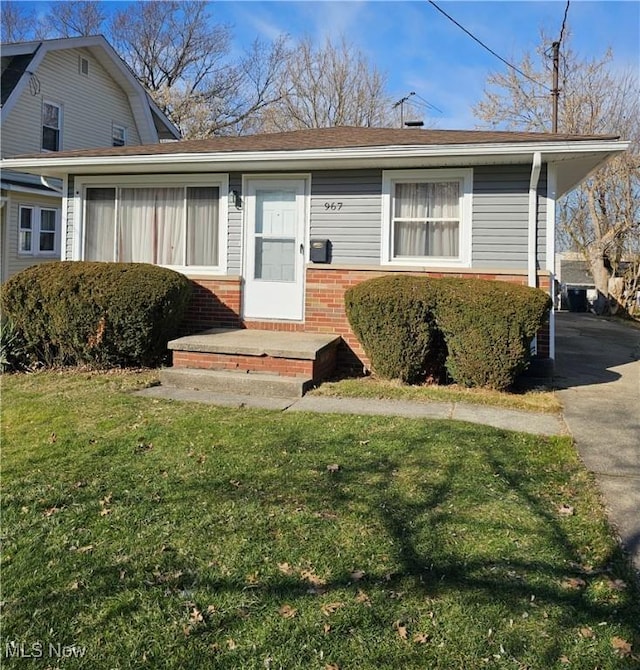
(217, 301)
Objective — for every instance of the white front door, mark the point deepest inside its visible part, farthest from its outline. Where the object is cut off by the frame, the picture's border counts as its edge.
(274, 249)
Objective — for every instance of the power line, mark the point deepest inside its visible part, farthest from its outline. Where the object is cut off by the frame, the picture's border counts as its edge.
(484, 46)
(564, 22)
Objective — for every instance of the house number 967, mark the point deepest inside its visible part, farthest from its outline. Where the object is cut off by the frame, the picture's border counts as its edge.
(332, 206)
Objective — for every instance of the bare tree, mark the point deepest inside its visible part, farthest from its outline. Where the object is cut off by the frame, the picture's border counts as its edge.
(18, 21)
(75, 18)
(331, 85)
(183, 59)
(601, 219)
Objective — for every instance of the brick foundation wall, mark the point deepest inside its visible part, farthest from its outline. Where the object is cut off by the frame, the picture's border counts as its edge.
(216, 302)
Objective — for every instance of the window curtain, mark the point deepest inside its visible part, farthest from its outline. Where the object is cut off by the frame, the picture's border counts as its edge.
(100, 210)
(426, 219)
(202, 226)
(150, 225)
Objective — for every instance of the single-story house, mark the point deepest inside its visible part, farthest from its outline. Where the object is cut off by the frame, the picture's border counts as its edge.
(273, 228)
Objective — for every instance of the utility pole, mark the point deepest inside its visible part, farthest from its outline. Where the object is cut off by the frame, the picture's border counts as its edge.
(555, 91)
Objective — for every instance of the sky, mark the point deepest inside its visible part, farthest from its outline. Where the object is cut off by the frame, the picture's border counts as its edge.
(421, 51)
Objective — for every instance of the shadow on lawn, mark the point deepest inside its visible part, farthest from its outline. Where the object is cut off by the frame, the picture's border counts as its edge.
(418, 519)
(418, 526)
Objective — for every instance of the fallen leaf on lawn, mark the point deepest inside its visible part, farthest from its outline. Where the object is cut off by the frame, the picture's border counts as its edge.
(333, 467)
(364, 443)
(587, 632)
(617, 584)
(331, 666)
(202, 458)
(122, 574)
(85, 550)
(196, 616)
(363, 598)
(573, 583)
(420, 638)
(565, 510)
(231, 643)
(402, 629)
(252, 578)
(326, 628)
(287, 612)
(74, 586)
(106, 500)
(285, 568)
(211, 609)
(330, 608)
(52, 438)
(357, 575)
(104, 511)
(621, 646)
(51, 511)
(311, 577)
(565, 660)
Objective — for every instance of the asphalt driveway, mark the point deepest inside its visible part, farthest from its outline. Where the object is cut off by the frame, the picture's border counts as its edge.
(598, 377)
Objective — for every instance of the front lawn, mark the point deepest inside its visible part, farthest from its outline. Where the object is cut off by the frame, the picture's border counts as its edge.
(152, 534)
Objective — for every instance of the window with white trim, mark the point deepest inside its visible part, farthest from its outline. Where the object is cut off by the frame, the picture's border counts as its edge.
(38, 231)
(178, 225)
(51, 126)
(427, 217)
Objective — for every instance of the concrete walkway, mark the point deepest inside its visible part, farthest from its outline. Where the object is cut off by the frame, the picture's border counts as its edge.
(598, 377)
(528, 422)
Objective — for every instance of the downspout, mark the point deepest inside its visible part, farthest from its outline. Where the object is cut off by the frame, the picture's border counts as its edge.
(533, 230)
(533, 218)
(45, 183)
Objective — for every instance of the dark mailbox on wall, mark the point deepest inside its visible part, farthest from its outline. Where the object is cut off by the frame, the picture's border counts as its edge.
(320, 251)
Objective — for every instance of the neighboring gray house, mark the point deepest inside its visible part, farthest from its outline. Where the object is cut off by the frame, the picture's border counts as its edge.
(577, 288)
(58, 95)
(274, 228)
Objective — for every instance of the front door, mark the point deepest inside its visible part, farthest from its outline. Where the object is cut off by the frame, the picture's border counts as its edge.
(274, 251)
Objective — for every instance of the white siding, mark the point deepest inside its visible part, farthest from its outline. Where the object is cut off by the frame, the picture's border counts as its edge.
(14, 261)
(90, 105)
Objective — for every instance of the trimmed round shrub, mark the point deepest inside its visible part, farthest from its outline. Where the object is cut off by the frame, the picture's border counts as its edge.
(102, 314)
(393, 318)
(488, 327)
(415, 328)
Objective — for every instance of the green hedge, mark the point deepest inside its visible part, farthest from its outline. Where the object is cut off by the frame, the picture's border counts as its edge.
(393, 318)
(103, 314)
(413, 327)
(488, 327)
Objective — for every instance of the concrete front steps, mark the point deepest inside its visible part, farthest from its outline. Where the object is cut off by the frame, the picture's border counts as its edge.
(265, 363)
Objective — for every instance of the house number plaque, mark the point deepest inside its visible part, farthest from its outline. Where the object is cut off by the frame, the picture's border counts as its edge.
(332, 206)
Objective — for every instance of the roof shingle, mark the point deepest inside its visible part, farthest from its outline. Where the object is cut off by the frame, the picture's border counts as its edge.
(332, 138)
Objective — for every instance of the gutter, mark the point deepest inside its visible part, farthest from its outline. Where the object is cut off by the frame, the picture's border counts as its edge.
(533, 215)
(519, 152)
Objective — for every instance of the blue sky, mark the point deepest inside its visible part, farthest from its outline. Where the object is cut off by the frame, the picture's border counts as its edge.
(421, 51)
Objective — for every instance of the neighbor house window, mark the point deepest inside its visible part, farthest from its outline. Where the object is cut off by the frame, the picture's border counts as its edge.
(177, 225)
(51, 125)
(83, 66)
(118, 134)
(427, 217)
(38, 231)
